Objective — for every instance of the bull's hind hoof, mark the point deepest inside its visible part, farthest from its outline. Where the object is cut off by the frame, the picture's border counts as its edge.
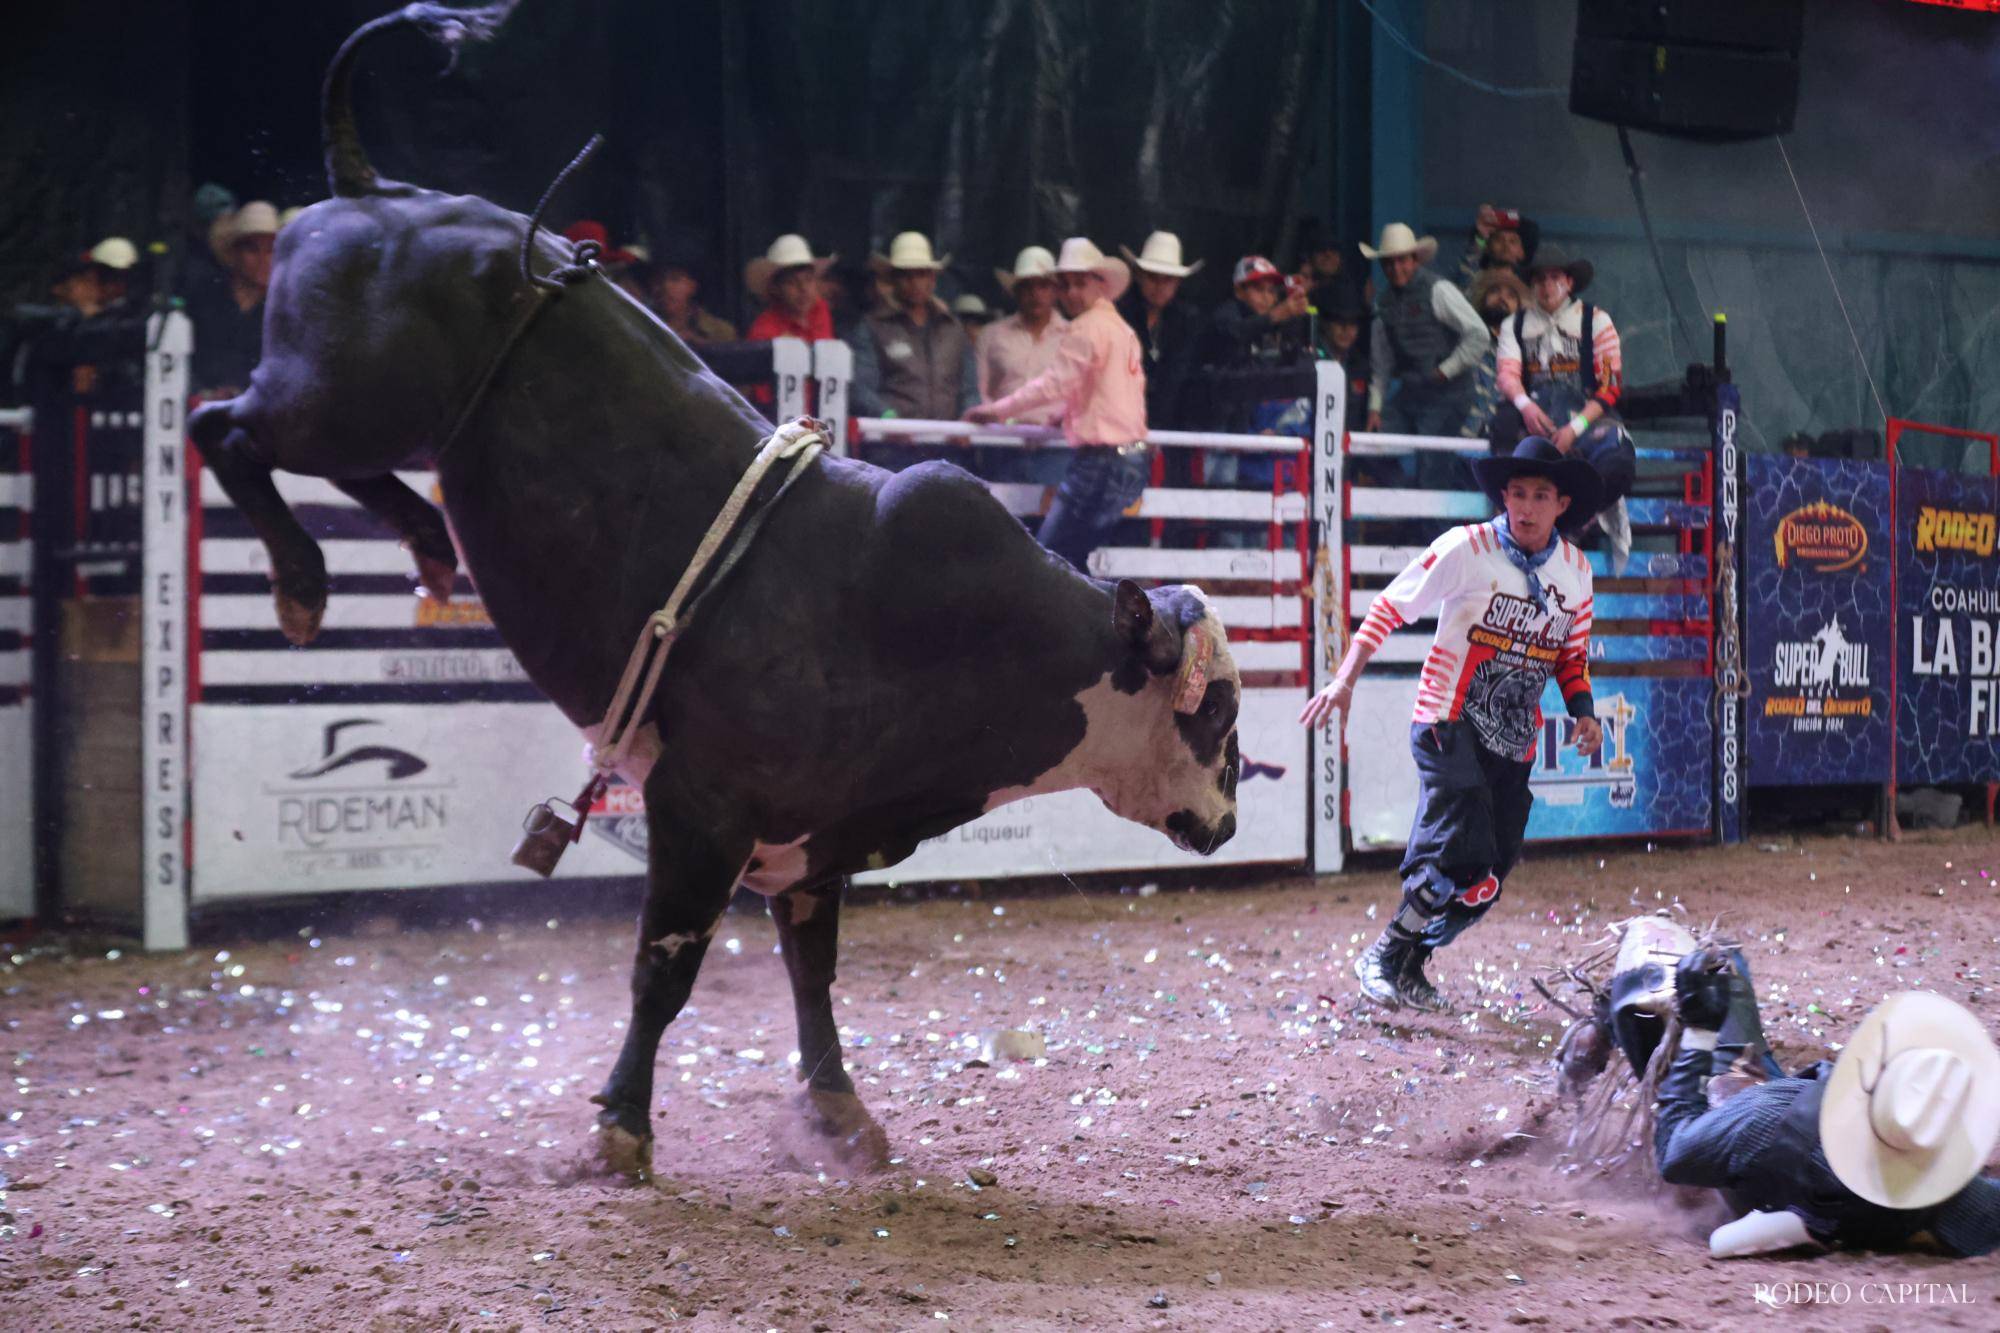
(437, 577)
(299, 620)
(621, 1152)
(850, 1134)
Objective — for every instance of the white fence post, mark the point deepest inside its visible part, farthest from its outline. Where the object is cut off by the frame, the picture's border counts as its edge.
(791, 365)
(1329, 591)
(163, 779)
(833, 364)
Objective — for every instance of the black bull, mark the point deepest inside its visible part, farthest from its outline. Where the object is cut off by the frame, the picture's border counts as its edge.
(894, 656)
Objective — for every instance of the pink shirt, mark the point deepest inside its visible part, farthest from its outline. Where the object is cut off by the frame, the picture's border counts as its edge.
(1098, 377)
(1010, 356)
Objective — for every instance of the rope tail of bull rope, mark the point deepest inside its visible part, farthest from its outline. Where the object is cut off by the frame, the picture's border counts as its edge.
(799, 441)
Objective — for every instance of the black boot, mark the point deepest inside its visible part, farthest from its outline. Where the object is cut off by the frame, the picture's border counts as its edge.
(1380, 969)
(1414, 988)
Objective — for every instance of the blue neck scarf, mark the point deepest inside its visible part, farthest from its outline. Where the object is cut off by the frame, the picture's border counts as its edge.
(1526, 563)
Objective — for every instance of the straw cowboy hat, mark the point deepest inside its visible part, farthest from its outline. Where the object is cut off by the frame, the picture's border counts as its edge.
(1554, 258)
(910, 250)
(1398, 239)
(1536, 457)
(1079, 255)
(788, 251)
(970, 309)
(1034, 261)
(256, 218)
(1161, 254)
(1913, 1106)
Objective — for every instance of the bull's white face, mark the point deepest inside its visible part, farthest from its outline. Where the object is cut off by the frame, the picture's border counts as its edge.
(1149, 762)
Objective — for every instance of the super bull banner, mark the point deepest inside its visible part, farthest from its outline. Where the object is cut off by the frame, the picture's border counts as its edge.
(1817, 644)
(1948, 621)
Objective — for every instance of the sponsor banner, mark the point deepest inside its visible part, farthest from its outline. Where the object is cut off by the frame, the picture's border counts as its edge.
(1072, 832)
(309, 798)
(1947, 618)
(1818, 640)
(1651, 776)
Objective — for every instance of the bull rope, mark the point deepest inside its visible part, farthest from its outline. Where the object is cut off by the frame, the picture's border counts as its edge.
(799, 441)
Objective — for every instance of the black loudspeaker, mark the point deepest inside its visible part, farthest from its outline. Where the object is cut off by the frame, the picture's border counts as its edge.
(1698, 69)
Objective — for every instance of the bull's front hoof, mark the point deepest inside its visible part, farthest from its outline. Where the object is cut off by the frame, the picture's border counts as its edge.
(437, 577)
(620, 1152)
(843, 1126)
(299, 619)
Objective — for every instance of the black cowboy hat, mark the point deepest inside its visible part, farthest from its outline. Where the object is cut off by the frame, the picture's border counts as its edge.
(1347, 307)
(1580, 271)
(1536, 457)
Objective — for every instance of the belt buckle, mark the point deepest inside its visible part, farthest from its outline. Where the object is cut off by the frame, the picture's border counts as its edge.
(1127, 450)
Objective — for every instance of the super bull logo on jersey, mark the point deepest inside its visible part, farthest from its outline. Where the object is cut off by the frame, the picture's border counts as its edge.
(1564, 777)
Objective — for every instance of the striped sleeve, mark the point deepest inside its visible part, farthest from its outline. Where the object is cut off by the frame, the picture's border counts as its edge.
(1573, 660)
(1610, 358)
(1424, 583)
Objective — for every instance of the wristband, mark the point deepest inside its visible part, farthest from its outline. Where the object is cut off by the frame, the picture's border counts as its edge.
(1579, 423)
(1521, 401)
(1698, 1039)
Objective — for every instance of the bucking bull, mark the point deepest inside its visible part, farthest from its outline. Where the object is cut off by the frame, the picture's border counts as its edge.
(893, 656)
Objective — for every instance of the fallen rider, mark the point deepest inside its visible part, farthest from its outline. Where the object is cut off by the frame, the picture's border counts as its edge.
(1876, 1151)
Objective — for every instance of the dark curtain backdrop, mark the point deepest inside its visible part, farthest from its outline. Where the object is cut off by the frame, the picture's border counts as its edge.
(988, 123)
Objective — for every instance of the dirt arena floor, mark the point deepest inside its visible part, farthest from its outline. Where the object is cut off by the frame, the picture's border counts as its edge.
(385, 1127)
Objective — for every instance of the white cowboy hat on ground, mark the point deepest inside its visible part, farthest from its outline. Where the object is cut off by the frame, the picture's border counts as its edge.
(1161, 254)
(788, 251)
(910, 249)
(1034, 261)
(1913, 1106)
(1080, 255)
(1398, 239)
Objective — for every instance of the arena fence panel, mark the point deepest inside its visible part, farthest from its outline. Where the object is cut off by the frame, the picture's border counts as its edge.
(1249, 549)
(1652, 646)
(1945, 614)
(17, 701)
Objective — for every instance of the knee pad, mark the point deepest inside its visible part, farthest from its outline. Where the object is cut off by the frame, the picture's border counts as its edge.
(1480, 892)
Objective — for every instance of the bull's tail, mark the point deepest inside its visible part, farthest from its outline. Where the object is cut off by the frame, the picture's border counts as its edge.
(348, 171)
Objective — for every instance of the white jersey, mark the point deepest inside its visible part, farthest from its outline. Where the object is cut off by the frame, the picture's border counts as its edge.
(1493, 650)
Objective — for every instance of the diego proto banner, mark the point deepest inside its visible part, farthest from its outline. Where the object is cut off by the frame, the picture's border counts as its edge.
(1819, 621)
(1948, 614)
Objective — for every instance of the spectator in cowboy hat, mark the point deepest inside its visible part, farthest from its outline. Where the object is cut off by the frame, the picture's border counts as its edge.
(1341, 325)
(1332, 268)
(1873, 1151)
(1015, 350)
(1099, 378)
(1559, 365)
(1427, 343)
(1169, 330)
(96, 282)
(913, 358)
(784, 280)
(229, 315)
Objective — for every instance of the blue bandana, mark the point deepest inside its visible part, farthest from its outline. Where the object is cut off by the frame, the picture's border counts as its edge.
(1524, 562)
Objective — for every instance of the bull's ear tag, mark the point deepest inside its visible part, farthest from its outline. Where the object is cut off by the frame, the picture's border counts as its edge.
(547, 834)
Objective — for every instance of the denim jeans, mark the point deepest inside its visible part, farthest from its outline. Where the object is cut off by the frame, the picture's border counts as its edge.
(1095, 491)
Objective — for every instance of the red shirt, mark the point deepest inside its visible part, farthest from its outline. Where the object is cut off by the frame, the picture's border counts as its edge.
(775, 322)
